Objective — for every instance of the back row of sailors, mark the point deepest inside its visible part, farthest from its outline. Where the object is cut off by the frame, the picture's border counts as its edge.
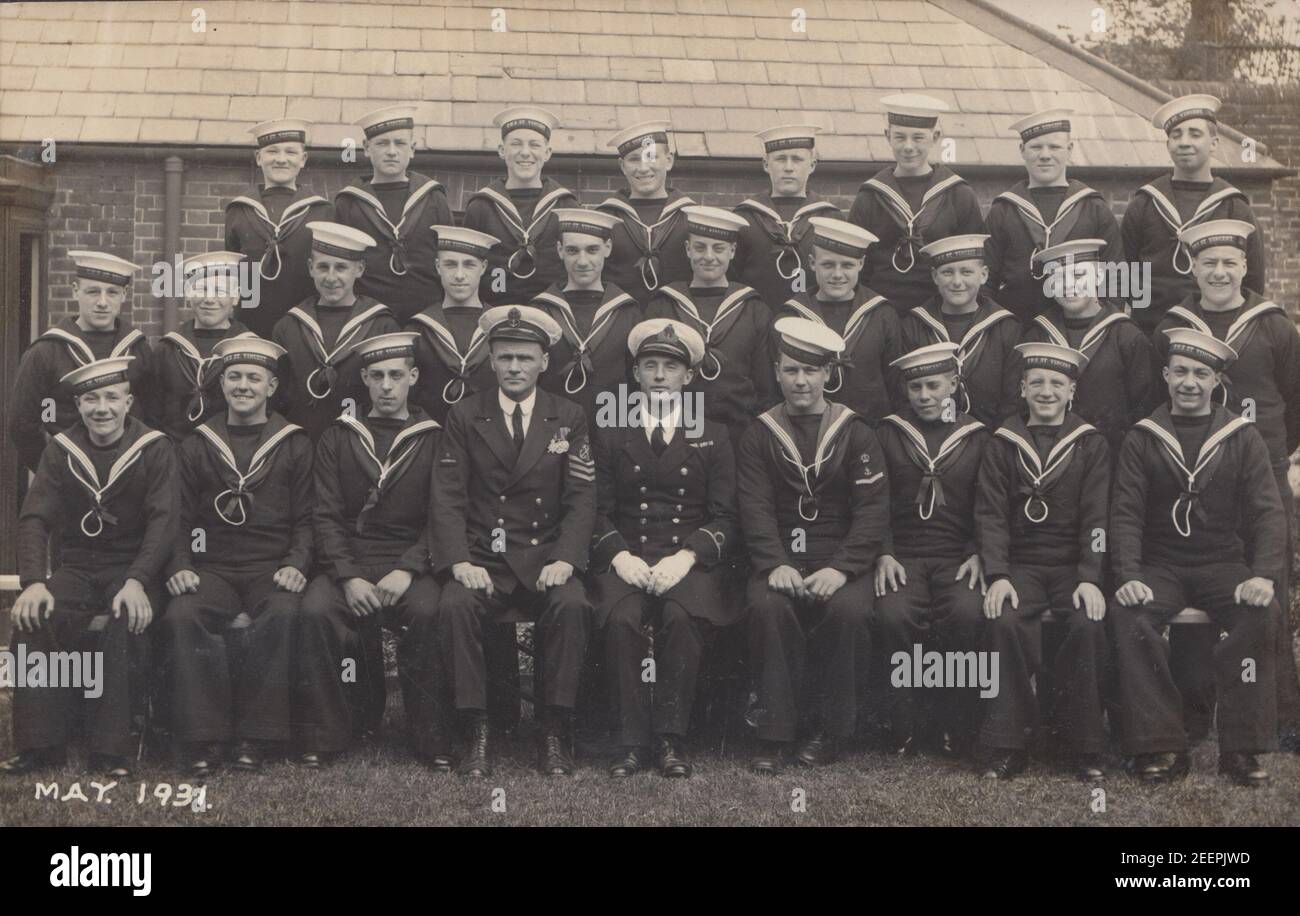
(896, 529)
(905, 205)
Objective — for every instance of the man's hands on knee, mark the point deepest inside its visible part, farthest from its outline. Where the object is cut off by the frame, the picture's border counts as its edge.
(824, 583)
(474, 578)
(1254, 592)
(889, 574)
(1090, 598)
(392, 587)
(33, 606)
(290, 579)
(670, 570)
(361, 597)
(554, 574)
(182, 583)
(133, 599)
(994, 599)
(1133, 593)
(632, 570)
(787, 581)
(973, 569)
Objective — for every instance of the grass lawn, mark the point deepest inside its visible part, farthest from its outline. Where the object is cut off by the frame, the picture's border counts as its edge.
(382, 784)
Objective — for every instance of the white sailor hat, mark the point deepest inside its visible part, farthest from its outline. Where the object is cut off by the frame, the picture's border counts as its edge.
(912, 110)
(713, 222)
(1066, 360)
(466, 241)
(520, 322)
(99, 373)
(630, 138)
(1204, 348)
(1074, 250)
(212, 273)
(386, 346)
(841, 236)
(98, 265)
(526, 117)
(249, 348)
(1216, 232)
(789, 136)
(1048, 121)
(1185, 108)
(588, 222)
(955, 248)
(388, 118)
(808, 341)
(281, 130)
(339, 240)
(932, 359)
(667, 338)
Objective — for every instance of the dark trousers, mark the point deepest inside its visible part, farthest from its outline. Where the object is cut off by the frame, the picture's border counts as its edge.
(228, 683)
(330, 706)
(1149, 710)
(941, 614)
(1077, 668)
(44, 717)
(563, 618)
(662, 705)
(809, 658)
(1193, 649)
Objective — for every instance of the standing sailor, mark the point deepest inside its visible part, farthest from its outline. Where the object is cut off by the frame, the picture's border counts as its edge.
(775, 248)
(665, 523)
(266, 224)
(400, 209)
(1042, 211)
(373, 509)
(911, 203)
(862, 379)
(1160, 211)
(105, 492)
(246, 486)
(595, 316)
(929, 568)
(1117, 381)
(814, 512)
(1196, 521)
(451, 352)
(731, 317)
(319, 375)
(1040, 521)
(41, 404)
(985, 333)
(187, 375)
(518, 209)
(516, 502)
(650, 245)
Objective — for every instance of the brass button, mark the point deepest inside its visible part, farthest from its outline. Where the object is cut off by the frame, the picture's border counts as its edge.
(533, 541)
(503, 497)
(644, 506)
(534, 524)
(684, 472)
(677, 521)
(681, 492)
(501, 521)
(539, 500)
(643, 539)
(643, 521)
(643, 491)
(674, 539)
(636, 469)
(679, 508)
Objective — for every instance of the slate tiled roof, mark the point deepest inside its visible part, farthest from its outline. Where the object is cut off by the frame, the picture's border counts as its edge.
(718, 69)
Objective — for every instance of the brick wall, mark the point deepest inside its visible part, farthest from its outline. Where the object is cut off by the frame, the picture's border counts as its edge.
(118, 207)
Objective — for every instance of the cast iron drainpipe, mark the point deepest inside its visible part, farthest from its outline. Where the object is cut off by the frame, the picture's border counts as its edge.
(173, 173)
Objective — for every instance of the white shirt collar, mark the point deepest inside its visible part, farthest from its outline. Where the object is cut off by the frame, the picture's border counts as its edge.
(670, 422)
(508, 405)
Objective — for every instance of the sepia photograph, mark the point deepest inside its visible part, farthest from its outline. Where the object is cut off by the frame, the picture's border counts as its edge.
(651, 413)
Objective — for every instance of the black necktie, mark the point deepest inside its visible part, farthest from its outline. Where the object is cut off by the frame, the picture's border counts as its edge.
(657, 440)
(517, 427)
